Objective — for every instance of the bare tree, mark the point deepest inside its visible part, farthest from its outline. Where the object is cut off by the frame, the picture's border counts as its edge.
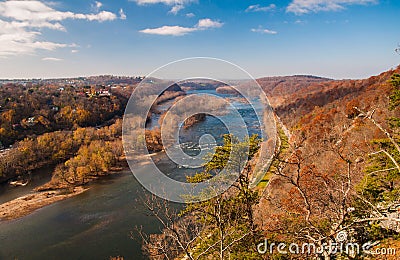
(178, 234)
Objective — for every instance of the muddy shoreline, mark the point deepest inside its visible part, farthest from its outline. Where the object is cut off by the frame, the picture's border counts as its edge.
(27, 204)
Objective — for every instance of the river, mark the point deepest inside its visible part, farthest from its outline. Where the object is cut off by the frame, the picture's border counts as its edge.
(98, 223)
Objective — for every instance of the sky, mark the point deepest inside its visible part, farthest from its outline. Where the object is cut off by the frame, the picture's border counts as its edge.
(338, 39)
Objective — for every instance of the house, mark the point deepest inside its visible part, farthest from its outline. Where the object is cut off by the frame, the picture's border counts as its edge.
(31, 121)
(103, 93)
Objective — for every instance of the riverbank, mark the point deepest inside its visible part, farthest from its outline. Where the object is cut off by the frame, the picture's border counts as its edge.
(47, 194)
(42, 196)
(27, 204)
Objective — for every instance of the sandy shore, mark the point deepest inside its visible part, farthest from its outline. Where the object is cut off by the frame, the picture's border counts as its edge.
(25, 205)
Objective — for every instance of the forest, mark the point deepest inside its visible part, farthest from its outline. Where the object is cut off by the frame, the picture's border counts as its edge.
(76, 128)
(34, 110)
(50, 125)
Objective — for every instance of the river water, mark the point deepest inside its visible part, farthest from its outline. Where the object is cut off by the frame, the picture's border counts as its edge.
(98, 223)
(92, 225)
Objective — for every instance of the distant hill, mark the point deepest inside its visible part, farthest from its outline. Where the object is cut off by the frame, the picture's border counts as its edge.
(200, 84)
(280, 88)
(296, 96)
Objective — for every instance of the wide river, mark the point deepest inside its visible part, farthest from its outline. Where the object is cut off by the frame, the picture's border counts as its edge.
(98, 223)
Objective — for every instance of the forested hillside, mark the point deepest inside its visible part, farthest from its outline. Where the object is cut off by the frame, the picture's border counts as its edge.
(34, 110)
(339, 171)
(77, 127)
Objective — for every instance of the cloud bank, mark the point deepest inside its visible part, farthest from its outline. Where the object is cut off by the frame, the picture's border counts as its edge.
(21, 23)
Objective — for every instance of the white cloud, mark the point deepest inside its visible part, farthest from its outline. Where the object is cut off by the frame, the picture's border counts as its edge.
(96, 6)
(166, 2)
(21, 23)
(263, 31)
(203, 24)
(16, 39)
(208, 23)
(169, 30)
(38, 11)
(258, 8)
(52, 59)
(122, 15)
(308, 6)
(300, 22)
(177, 5)
(74, 51)
(190, 15)
(35, 24)
(175, 9)
(100, 17)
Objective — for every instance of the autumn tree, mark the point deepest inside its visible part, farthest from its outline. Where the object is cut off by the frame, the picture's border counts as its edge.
(219, 228)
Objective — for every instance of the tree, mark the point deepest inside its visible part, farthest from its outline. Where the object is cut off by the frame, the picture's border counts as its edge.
(316, 206)
(222, 227)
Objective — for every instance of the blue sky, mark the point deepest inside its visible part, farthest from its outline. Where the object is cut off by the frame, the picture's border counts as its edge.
(336, 38)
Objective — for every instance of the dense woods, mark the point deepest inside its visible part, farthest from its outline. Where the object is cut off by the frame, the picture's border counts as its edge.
(59, 146)
(340, 172)
(77, 127)
(34, 110)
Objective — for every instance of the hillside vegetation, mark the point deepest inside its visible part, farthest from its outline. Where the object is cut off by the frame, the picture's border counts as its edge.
(341, 172)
